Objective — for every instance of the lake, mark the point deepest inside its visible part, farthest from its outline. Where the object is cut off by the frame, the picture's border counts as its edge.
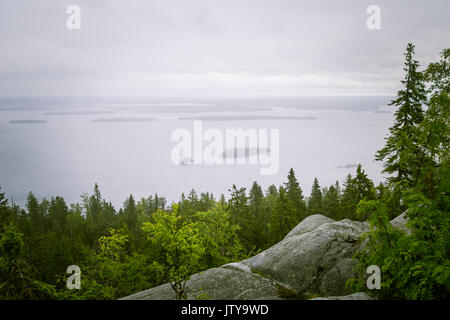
(62, 146)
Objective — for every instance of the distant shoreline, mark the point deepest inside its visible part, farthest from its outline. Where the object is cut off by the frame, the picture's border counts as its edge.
(107, 120)
(27, 121)
(243, 118)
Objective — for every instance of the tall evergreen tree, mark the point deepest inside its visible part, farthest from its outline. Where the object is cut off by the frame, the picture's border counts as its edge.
(206, 201)
(37, 218)
(4, 210)
(130, 215)
(315, 199)
(258, 216)
(281, 222)
(295, 196)
(356, 189)
(350, 198)
(331, 202)
(222, 202)
(365, 186)
(58, 212)
(240, 215)
(433, 134)
(401, 140)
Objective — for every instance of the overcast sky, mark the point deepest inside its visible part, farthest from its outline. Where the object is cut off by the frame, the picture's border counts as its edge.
(211, 48)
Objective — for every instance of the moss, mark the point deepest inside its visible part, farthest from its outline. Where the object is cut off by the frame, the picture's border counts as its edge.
(312, 296)
(287, 293)
(203, 296)
(258, 272)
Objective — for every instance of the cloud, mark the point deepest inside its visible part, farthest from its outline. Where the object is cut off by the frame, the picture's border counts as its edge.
(211, 47)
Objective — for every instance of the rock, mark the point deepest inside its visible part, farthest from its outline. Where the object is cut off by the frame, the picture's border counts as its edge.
(314, 262)
(400, 221)
(315, 258)
(309, 224)
(223, 283)
(353, 296)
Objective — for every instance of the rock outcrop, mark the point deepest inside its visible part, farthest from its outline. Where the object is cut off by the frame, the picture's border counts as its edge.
(353, 296)
(400, 222)
(314, 259)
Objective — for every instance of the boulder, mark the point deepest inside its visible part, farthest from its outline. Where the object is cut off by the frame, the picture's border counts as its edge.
(314, 259)
(400, 221)
(309, 224)
(222, 283)
(353, 296)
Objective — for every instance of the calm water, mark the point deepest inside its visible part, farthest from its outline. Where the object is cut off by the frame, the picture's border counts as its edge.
(63, 146)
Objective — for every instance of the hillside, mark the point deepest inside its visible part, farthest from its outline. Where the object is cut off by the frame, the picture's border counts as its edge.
(313, 260)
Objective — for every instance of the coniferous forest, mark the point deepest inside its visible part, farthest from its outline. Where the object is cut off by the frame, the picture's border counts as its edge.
(148, 241)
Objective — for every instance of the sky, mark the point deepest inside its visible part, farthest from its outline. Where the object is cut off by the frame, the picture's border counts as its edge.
(211, 48)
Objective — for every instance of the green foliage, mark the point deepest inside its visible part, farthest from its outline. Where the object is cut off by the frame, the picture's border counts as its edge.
(286, 208)
(258, 215)
(283, 218)
(11, 242)
(356, 189)
(114, 246)
(331, 201)
(295, 197)
(414, 265)
(315, 200)
(219, 238)
(147, 243)
(180, 245)
(16, 276)
(401, 143)
(4, 210)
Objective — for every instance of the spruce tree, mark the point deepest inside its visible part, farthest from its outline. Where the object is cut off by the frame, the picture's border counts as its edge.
(130, 215)
(4, 210)
(36, 214)
(356, 189)
(295, 196)
(331, 202)
(281, 222)
(434, 131)
(258, 216)
(315, 200)
(401, 140)
(350, 198)
(58, 212)
(240, 215)
(365, 186)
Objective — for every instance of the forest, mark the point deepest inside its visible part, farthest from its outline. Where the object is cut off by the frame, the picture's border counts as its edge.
(148, 242)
